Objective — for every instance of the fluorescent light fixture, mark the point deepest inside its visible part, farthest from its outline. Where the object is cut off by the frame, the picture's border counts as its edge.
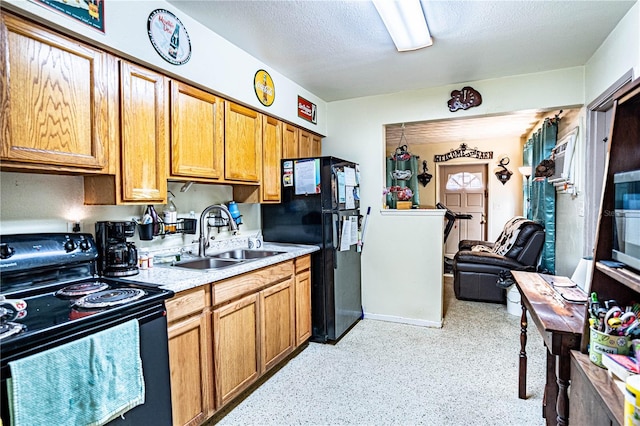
(405, 22)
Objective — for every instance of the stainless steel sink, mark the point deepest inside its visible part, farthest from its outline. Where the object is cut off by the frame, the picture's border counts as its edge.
(243, 254)
(207, 263)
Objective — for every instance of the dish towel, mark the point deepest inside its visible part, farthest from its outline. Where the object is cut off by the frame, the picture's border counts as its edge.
(89, 381)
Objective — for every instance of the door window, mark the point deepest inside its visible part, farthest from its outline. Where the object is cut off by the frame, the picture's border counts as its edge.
(464, 180)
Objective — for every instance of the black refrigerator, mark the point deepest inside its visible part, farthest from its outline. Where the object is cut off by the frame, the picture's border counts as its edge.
(320, 206)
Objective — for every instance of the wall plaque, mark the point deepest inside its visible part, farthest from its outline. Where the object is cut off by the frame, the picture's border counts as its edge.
(169, 37)
(265, 90)
(463, 152)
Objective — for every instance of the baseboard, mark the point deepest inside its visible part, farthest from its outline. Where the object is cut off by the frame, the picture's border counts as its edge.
(402, 320)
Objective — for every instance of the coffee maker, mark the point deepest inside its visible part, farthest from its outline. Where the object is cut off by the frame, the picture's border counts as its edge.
(116, 256)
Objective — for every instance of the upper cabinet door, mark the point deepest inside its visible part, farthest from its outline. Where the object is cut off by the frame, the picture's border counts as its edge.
(197, 138)
(54, 98)
(289, 141)
(242, 143)
(271, 155)
(145, 134)
(304, 144)
(316, 146)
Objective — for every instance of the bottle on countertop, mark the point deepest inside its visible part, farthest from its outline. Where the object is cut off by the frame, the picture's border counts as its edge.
(235, 212)
(151, 211)
(170, 214)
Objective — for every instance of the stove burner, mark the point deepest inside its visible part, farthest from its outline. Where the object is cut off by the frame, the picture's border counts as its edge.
(82, 289)
(105, 298)
(10, 328)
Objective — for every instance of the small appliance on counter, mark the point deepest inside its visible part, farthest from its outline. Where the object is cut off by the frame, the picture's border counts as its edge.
(116, 256)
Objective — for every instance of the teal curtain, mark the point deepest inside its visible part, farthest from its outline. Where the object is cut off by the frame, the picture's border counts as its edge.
(543, 193)
(527, 160)
(412, 183)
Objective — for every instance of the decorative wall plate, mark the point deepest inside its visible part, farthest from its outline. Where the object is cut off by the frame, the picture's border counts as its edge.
(466, 98)
(264, 87)
(169, 37)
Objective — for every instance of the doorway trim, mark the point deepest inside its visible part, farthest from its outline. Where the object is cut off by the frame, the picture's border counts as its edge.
(595, 152)
(485, 164)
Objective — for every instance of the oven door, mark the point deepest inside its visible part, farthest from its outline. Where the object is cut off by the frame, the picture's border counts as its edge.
(154, 351)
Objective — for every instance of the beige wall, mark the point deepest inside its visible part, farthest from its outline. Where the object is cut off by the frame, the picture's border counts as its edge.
(504, 201)
(356, 132)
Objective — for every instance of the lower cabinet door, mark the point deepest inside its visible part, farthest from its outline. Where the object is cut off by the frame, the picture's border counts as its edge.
(235, 352)
(277, 307)
(303, 306)
(191, 372)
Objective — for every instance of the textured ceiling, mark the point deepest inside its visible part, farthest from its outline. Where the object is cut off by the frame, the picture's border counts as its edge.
(498, 127)
(340, 49)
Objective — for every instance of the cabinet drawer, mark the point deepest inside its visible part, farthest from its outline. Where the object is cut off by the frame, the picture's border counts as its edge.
(302, 263)
(250, 282)
(187, 303)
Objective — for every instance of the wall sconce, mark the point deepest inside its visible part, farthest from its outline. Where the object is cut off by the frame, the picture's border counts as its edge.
(503, 174)
(424, 178)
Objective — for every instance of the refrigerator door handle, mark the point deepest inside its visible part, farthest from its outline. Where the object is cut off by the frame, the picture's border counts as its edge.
(336, 236)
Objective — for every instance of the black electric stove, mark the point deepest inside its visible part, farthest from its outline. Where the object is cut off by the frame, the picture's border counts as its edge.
(50, 295)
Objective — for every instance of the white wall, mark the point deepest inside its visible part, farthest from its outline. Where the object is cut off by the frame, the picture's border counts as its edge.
(619, 53)
(215, 63)
(356, 132)
(33, 202)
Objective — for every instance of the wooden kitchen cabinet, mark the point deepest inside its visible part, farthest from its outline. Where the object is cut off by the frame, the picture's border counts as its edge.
(190, 356)
(277, 323)
(197, 133)
(242, 143)
(253, 327)
(289, 141)
(271, 156)
(54, 91)
(145, 134)
(303, 299)
(140, 175)
(236, 347)
(309, 145)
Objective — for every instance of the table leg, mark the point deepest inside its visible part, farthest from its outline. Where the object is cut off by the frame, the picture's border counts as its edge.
(563, 373)
(550, 401)
(522, 370)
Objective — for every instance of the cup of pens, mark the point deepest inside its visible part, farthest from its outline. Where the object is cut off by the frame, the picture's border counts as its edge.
(600, 343)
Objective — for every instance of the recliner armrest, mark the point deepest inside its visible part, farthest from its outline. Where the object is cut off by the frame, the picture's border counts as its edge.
(488, 259)
(467, 244)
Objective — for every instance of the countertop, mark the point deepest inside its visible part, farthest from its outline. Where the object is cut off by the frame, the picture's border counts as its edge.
(179, 279)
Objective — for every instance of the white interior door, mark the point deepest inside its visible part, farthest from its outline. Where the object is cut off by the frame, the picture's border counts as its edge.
(463, 189)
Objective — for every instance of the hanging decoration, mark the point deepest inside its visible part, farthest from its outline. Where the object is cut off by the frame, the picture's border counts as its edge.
(463, 152)
(503, 174)
(425, 177)
(87, 12)
(463, 99)
(169, 37)
(264, 87)
(402, 176)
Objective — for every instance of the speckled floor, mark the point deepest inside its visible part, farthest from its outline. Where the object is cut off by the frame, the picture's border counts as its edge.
(384, 373)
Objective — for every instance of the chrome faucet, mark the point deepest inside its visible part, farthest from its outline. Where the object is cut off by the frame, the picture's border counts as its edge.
(202, 240)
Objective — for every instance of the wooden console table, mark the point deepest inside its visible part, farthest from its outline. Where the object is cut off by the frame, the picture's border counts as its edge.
(560, 323)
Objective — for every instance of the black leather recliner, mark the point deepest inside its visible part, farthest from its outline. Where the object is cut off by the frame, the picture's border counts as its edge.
(479, 265)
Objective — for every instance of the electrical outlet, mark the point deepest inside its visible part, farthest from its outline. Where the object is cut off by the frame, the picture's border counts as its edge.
(74, 227)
